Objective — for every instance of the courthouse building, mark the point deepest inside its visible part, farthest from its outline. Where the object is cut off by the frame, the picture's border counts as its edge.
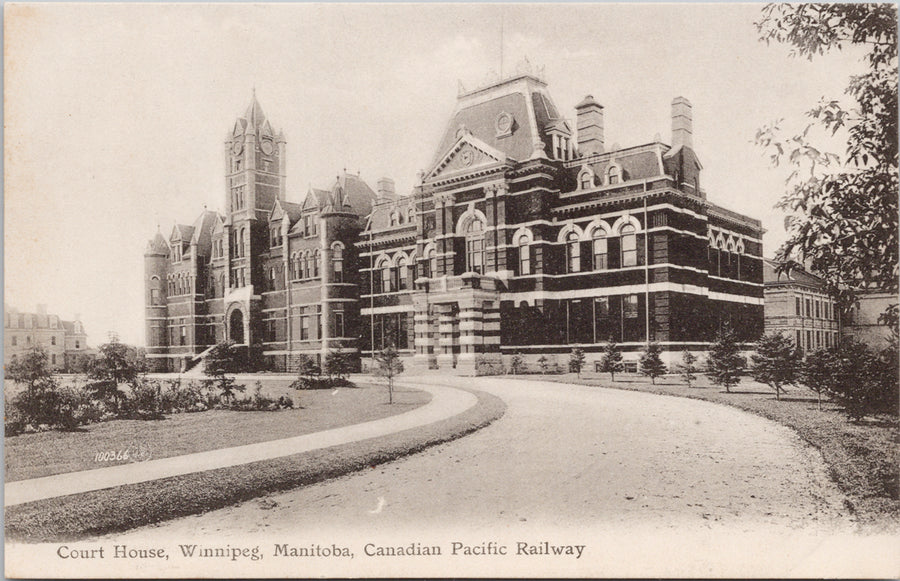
(527, 234)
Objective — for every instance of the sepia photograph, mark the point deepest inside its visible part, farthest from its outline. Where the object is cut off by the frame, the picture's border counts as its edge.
(362, 290)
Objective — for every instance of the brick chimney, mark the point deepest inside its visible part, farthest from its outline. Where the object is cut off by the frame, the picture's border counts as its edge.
(590, 126)
(682, 123)
(385, 189)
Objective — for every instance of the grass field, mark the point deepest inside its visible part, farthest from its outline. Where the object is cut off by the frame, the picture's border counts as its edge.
(55, 452)
(80, 516)
(863, 459)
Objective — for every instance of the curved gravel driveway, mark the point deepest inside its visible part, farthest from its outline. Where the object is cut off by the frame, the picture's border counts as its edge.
(652, 485)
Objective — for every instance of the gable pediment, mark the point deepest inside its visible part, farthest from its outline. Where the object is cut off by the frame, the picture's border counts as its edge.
(467, 154)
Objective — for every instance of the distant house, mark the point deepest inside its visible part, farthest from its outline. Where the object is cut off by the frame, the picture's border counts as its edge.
(797, 306)
(64, 341)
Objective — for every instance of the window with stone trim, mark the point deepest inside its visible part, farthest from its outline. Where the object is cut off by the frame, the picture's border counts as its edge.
(599, 248)
(337, 262)
(402, 274)
(524, 256)
(573, 252)
(475, 246)
(629, 245)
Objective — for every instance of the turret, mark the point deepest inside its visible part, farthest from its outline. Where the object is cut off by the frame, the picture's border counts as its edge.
(156, 260)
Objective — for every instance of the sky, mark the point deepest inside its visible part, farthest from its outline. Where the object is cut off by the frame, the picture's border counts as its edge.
(116, 115)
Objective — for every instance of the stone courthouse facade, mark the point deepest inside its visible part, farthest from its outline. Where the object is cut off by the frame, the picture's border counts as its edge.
(527, 234)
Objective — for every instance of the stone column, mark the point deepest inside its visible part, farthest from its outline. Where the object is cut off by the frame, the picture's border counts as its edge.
(422, 327)
(445, 331)
(470, 335)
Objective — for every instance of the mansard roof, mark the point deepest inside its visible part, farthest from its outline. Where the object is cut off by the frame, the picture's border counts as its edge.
(512, 116)
(380, 218)
(350, 192)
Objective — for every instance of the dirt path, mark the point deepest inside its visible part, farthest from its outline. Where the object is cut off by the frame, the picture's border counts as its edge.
(655, 485)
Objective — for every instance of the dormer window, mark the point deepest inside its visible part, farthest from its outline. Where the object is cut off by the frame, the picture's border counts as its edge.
(276, 238)
(395, 218)
(176, 252)
(585, 179)
(613, 175)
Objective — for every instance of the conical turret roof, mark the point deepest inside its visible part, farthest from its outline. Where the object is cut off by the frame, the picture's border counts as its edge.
(157, 245)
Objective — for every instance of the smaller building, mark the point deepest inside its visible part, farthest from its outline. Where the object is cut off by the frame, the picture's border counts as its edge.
(64, 341)
(797, 306)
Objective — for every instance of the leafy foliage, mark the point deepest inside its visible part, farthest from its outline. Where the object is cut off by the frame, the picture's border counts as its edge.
(775, 362)
(544, 364)
(861, 380)
(576, 360)
(725, 364)
(222, 360)
(388, 366)
(32, 369)
(651, 363)
(338, 364)
(612, 360)
(687, 368)
(843, 209)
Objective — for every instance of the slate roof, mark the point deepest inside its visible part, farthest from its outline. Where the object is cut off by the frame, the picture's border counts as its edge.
(796, 276)
(158, 244)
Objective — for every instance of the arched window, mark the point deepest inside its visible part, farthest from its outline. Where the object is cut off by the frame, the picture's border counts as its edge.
(306, 269)
(719, 260)
(384, 268)
(155, 291)
(411, 215)
(315, 264)
(629, 245)
(395, 218)
(475, 246)
(402, 274)
(524, 256)
(573, 253)
(432, 263)
(613, 175)
(586, 180)
(599, 249)
(337, 262)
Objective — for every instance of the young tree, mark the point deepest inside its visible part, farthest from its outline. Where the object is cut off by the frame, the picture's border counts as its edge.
(651, 363)
(725, 364)
(115, 364)
(222, 360)
(576, 360)
(516, 364)
(775, 361)
(687, 368)
(612, 359)
(843, 209)
(388, 366)
(544, 364)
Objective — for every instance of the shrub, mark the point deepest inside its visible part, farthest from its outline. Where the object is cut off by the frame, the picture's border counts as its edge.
(687, 368)
(260, 402)
(612, 360)
(544, 364)
(576, 360)
(486, 366)
(517, 365)
(146, 402)
(775, 362)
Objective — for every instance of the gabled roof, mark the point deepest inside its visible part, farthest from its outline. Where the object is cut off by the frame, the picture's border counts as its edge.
(203, 230)
(316, 198)
(182, 232)
(289, 209)
(454, 159)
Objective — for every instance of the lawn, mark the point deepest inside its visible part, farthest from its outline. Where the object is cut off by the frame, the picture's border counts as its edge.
(863, 459)
(56, 452)
(81, 516)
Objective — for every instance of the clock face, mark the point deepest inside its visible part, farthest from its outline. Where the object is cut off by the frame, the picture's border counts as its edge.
(237, 147)
(267, 147)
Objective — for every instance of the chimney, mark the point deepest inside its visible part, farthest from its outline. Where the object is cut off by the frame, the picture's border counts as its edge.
(41, 309)
(682, 124)
(385, 189)
(590, 126)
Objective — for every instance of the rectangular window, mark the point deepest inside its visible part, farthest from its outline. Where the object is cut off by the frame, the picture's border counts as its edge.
(629, 250)
(809, 340)
(799, 308)
(53, 340)
(797, 341)
(53, 358)
(183, 335)
(475, 254)
(304, 328)
(808, 308)
(630, 307)
(15, 341)
(818, 313)
(339, 323)
(600, 251)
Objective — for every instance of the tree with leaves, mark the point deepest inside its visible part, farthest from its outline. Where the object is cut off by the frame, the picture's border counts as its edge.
(842, 208)
(222, 360)
(651, 362)
(687, 368)
(576, 360)
(517, 364)
(338, 364)
(612, 359)
(388, 366)
(725, 363)
(775, 362)
(116, 364)
(32, 369)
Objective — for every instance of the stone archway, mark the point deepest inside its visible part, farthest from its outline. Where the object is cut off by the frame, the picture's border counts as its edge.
(236, 327)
